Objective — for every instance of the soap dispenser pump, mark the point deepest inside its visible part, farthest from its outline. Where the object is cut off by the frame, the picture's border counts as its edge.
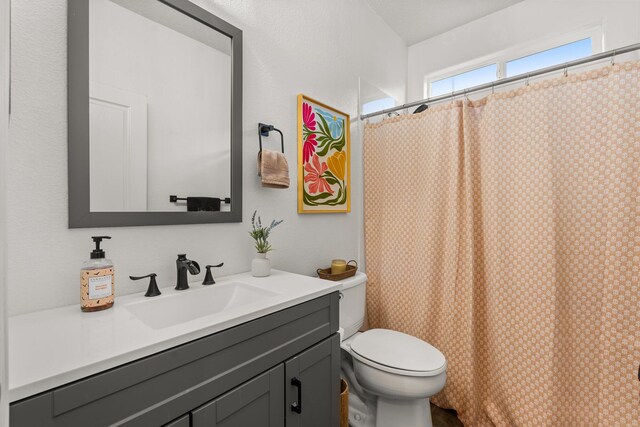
(97, 284)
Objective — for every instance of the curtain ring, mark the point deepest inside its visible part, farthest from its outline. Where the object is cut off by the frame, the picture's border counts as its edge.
(566, 71)
(613, 58)
(493, 89)
(527, 81)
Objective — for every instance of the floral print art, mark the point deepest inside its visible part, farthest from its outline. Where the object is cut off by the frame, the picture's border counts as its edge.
(325, 156)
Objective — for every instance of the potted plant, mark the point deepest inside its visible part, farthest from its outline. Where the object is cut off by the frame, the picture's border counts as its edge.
(261, 265)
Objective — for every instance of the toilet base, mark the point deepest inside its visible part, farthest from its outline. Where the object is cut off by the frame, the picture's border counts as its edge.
(361, 413)
(406, 412)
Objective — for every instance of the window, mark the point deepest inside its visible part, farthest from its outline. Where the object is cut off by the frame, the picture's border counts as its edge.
(547, 58)
(378, 105)
(465, 80)
(509, 63)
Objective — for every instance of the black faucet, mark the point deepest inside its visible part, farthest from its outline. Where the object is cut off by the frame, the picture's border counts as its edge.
(183, 265)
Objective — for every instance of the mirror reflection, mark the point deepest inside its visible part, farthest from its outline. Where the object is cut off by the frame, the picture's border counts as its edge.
(160, 99)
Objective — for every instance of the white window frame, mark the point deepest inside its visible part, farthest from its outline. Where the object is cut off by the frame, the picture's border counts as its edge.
(594, 32)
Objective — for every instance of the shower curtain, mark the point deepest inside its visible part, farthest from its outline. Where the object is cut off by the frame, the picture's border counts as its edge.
(506, 233)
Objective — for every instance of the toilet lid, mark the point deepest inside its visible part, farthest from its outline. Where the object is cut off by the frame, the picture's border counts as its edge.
(399, 351)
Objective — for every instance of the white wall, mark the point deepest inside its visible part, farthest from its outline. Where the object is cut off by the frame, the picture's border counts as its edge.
(316, 48)
(4, 127)
(521, 24)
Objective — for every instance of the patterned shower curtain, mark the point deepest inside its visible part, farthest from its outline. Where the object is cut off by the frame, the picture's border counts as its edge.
(506, 233)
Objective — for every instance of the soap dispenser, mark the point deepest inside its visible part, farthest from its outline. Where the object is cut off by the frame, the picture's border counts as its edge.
(97, 280)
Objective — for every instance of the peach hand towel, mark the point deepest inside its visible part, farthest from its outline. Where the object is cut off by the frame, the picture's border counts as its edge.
(273, 168)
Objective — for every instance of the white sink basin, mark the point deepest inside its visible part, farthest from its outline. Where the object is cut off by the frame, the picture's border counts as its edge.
(164, 311)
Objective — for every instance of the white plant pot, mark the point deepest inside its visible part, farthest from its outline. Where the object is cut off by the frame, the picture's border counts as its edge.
(260, 266)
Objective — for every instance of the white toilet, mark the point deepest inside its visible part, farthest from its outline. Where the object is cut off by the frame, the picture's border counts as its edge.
(391, 375)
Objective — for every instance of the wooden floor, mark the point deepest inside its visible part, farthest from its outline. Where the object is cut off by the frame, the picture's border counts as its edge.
(444, 417)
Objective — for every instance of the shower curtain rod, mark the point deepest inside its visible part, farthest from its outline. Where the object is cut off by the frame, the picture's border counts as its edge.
(525, 76)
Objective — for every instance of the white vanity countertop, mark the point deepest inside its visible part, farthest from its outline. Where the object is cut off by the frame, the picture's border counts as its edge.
(53, 347)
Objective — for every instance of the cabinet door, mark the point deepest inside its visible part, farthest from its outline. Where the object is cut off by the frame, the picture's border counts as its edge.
(312, 382)
(258, 403)
(183, 421)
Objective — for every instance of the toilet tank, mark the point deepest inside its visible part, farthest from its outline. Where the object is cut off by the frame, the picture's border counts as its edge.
(352, 303)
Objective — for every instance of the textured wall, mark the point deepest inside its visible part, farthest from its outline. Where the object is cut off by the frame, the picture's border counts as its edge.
(317, 48)
(4, 113)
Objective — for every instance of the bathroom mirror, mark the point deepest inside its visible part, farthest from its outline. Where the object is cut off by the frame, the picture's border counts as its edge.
(155, 114)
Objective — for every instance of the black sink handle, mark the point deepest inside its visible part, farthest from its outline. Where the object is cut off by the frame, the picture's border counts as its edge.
(152, 290)
(208, 277)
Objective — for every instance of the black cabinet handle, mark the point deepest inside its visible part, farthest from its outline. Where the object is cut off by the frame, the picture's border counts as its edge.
(297, 406)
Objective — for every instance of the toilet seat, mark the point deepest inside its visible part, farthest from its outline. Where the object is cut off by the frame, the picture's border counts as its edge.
(398, 353)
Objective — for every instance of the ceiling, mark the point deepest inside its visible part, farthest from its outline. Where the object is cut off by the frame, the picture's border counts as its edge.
(417, 20)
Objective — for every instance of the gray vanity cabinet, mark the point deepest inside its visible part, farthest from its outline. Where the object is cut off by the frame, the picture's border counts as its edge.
(310, 391)
(258, 403)
(183, 421)
(309, 401)
(248, 375)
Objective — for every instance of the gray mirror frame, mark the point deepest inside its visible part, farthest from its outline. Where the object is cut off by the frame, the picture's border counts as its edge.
(80, 215)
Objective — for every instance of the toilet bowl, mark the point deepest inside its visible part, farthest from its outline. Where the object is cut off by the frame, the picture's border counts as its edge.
(392, 375)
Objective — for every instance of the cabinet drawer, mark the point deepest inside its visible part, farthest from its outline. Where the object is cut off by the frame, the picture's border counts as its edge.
(157, 389)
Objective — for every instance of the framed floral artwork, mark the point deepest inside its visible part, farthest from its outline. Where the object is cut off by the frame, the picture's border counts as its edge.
(324, 158)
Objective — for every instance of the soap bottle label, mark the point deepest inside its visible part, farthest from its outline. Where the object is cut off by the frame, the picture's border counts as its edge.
(96, 288)
(100, 287)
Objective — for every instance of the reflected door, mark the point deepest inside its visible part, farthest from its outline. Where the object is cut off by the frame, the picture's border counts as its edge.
(118, 154)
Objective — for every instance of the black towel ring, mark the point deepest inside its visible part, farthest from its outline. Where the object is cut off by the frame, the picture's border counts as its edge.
(263, 130)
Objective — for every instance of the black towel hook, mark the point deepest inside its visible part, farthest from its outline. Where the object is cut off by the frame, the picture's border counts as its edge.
(263, 130)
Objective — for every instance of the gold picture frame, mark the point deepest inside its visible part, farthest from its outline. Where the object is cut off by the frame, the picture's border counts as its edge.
(324, 158)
